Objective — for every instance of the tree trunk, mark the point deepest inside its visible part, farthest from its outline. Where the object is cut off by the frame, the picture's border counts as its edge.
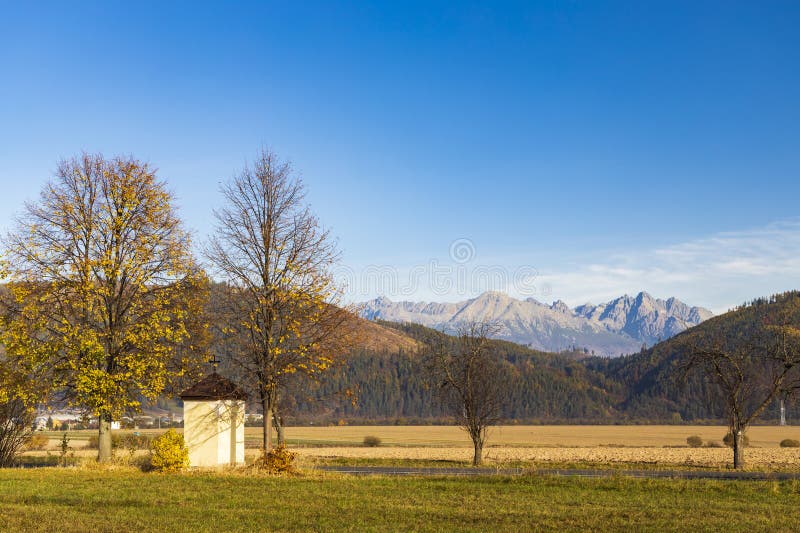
(104, 438)
(276, 419)
(266, 444)
(738, 449)
(477, 457)
(783, 411)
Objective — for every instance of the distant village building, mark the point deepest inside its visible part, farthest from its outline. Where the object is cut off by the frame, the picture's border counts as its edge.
(213, 422)
(58, 418)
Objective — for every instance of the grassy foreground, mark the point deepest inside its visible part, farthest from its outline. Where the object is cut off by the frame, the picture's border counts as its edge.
(120, 500)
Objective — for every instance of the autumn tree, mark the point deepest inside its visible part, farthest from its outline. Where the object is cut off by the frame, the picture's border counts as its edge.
(471, 381)
(748, 359)
(278, 311)
(103, 286)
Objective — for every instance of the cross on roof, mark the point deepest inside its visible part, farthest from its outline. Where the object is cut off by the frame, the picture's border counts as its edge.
(214, 361)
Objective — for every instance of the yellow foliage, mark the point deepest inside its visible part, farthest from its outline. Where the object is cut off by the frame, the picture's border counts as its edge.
(169, 453)
(279, 460)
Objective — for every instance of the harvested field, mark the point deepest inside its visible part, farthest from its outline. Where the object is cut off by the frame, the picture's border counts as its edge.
(612, 445)
(520, 436)
(768, 458)
(531, 436)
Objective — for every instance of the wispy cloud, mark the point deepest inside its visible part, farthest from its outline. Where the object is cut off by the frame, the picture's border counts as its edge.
(718, 271)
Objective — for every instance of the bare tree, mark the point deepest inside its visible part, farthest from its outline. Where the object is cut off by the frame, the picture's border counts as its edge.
(749, 360)
(470, 380)
(279, 310)
(24, 383)
(16, 421)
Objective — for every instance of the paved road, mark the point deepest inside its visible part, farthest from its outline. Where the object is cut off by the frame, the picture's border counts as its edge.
(676, 474)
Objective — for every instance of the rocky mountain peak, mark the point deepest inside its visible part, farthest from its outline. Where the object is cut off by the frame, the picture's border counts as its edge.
(621, 325)
(561, 307)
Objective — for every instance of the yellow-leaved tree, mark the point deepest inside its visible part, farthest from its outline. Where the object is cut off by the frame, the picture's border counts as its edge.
(103, 286)
(278, 311)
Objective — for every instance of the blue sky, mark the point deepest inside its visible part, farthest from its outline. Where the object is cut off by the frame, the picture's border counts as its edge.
(600, 147)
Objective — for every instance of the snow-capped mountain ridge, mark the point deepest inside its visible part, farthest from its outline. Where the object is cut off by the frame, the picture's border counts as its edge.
(622, 325)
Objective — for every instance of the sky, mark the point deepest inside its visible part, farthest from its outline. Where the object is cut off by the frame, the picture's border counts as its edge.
(554, 150)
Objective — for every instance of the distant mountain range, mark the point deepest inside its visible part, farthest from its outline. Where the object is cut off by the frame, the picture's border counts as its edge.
(620, 326)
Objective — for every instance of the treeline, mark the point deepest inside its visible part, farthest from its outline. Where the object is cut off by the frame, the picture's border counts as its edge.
(393, 387)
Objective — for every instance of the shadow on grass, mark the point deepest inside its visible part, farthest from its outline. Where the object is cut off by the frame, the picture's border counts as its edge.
(44, 461)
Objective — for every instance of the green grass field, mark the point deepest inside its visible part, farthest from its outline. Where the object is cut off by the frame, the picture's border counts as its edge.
(54, 499)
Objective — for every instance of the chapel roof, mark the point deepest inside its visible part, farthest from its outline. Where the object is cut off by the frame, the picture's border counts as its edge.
(214, 387)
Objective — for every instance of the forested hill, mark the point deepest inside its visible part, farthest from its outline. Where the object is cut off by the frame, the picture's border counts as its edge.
(657, 386)
(389, 385)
